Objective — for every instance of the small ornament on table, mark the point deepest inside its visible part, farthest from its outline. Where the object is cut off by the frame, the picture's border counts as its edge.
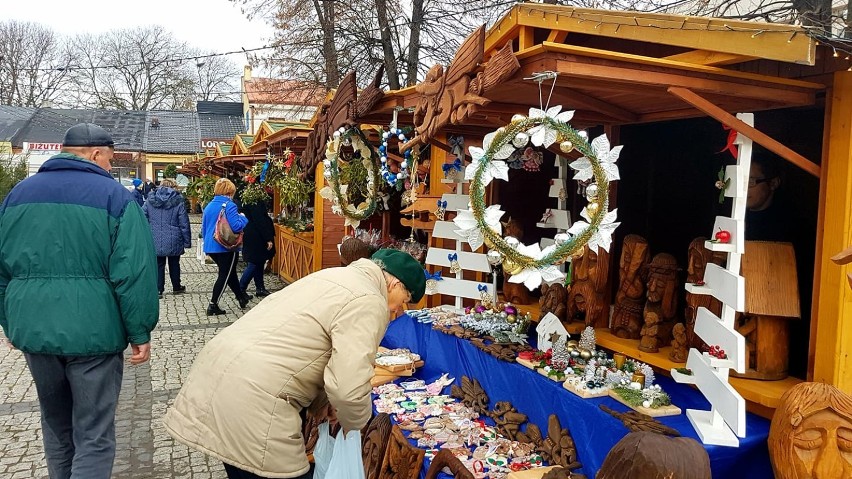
(587, 339)
(547, 217)
(432, 281)
(442, 209)
(454, 263)
(452, 170)
(717, 352)
(486, 296)
(619, 359)
(563, 195)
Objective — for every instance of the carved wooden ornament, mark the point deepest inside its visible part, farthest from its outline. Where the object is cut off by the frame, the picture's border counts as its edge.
(402, 460)
(627, 314)
(374, 443)
(589, 286)
(446, 96)
(661, 308)
(446, 459)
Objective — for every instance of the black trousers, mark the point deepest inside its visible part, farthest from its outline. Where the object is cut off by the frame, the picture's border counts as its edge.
(174, 272)
(227, 263)
(235, 473)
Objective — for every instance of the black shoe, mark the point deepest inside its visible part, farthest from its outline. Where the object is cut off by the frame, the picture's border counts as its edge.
(262, 293)
(244, 301)
(179, 290)
(215, 310)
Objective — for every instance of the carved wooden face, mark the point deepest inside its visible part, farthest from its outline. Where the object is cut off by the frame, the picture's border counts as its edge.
(697, 264)
(811, 434)
(822, 446)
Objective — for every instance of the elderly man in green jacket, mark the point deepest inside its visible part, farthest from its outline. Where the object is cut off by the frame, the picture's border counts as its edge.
(77, 284)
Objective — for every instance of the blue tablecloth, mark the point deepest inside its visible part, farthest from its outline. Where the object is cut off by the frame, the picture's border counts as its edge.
(595, 432)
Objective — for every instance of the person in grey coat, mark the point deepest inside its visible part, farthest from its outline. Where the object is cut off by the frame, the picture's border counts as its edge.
(169, 221)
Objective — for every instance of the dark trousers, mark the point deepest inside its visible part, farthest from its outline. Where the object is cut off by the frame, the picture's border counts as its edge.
(77, 396)
(174, 272)
(227, 263)
(236, 473)
(252, 272)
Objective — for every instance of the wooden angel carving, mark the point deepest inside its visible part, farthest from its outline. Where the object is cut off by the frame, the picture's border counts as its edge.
(446, 96)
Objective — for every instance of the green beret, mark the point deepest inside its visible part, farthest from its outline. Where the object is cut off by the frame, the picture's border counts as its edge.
(405, 268)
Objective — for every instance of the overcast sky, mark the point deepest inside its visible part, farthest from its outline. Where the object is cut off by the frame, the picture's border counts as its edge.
(214, 25)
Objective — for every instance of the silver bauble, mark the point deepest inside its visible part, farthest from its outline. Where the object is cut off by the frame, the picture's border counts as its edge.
(521, 140)
(561, 238)
(494, 257)
(592, 191)
(512, 241)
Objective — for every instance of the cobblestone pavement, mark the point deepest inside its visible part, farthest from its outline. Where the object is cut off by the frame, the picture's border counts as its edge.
(144, 450)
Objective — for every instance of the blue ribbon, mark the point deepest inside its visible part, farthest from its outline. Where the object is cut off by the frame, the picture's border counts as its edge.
(456, 165)
(436, 276)
(453, 256)
(263, 172)
(442, 204)
(482, 288)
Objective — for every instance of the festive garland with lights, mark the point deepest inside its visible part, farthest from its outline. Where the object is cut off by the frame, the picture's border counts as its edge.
(338, 194)
(394, 180)
(542, 128)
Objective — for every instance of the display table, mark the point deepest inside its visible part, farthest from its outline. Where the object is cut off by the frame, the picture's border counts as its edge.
(595, 432)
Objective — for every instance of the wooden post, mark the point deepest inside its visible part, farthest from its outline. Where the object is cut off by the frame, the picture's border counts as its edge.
(831, 324)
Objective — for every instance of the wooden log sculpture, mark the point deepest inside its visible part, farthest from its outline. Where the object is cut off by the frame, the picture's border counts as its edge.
(811, 433)
(446, 459)
(402, 460)
(661, 308)
(630, 298)
(507, 419)
(471, 395)
(680, 345)
(374, 442)
(515, 293)
(589, 286)
(647, 455)
(562, 473)
(448, 97)
(554, 299)
(636, 421)
(699, 256)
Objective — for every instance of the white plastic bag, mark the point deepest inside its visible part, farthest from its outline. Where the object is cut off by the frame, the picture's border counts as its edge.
(323, 451)
(199, 250)
(346, 462)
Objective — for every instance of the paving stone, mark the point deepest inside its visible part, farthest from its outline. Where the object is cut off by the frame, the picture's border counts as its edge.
(144, 450)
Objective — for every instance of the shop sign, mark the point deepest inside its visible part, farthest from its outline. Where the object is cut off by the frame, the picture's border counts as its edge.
(42, 146)
(212, 142)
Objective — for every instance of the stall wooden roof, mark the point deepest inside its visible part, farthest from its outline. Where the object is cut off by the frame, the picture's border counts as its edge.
(287, 134)
(617, 67)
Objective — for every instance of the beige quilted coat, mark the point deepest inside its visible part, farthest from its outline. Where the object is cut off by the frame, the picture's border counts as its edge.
(242, 399)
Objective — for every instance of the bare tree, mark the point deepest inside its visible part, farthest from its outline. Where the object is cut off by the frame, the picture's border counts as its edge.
(33, 64)
(143, 68)
(217, 76)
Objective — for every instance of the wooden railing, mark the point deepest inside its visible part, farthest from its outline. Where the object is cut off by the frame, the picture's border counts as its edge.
(294, 253)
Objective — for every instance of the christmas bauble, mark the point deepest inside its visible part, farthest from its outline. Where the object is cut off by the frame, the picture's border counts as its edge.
(566, 146)
(592, 191)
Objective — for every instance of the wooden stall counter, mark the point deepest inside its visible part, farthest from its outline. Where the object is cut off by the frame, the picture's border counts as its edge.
(294, 253)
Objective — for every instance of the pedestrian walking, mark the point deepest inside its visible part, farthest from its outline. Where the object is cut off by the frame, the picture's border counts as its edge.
(138, 191)
(310, 344)
(77, 278)
(166, 212)
(225, 259)
(258, 246)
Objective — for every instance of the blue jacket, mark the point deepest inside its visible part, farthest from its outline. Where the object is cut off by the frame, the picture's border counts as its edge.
(208, 222)
(138, 196)
(169, 221)
(78, 274)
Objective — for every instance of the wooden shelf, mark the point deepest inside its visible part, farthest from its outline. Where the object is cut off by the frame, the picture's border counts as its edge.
(762, 396)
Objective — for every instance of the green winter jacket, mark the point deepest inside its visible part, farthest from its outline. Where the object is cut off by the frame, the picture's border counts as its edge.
(77, 264)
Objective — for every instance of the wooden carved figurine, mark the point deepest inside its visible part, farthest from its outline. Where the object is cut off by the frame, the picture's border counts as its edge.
(811, 433)
(699, 256)
(374, 443)
(627, 314)
(661, 308)
(589, 285)
(446, 459)
(554, 299)
(648, 455)
(471, 394)
(558, 447)
(507, 419)
(515, 293)
(402, 460)
(680, 345)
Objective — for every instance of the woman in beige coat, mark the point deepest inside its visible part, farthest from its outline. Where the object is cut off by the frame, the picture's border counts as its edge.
(316, 338)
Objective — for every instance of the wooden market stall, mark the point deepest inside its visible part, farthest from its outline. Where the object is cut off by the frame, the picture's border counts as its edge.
(621, 69)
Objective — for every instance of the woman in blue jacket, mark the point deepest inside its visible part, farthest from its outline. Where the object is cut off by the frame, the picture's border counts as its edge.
(169, 221)
(225, 259)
